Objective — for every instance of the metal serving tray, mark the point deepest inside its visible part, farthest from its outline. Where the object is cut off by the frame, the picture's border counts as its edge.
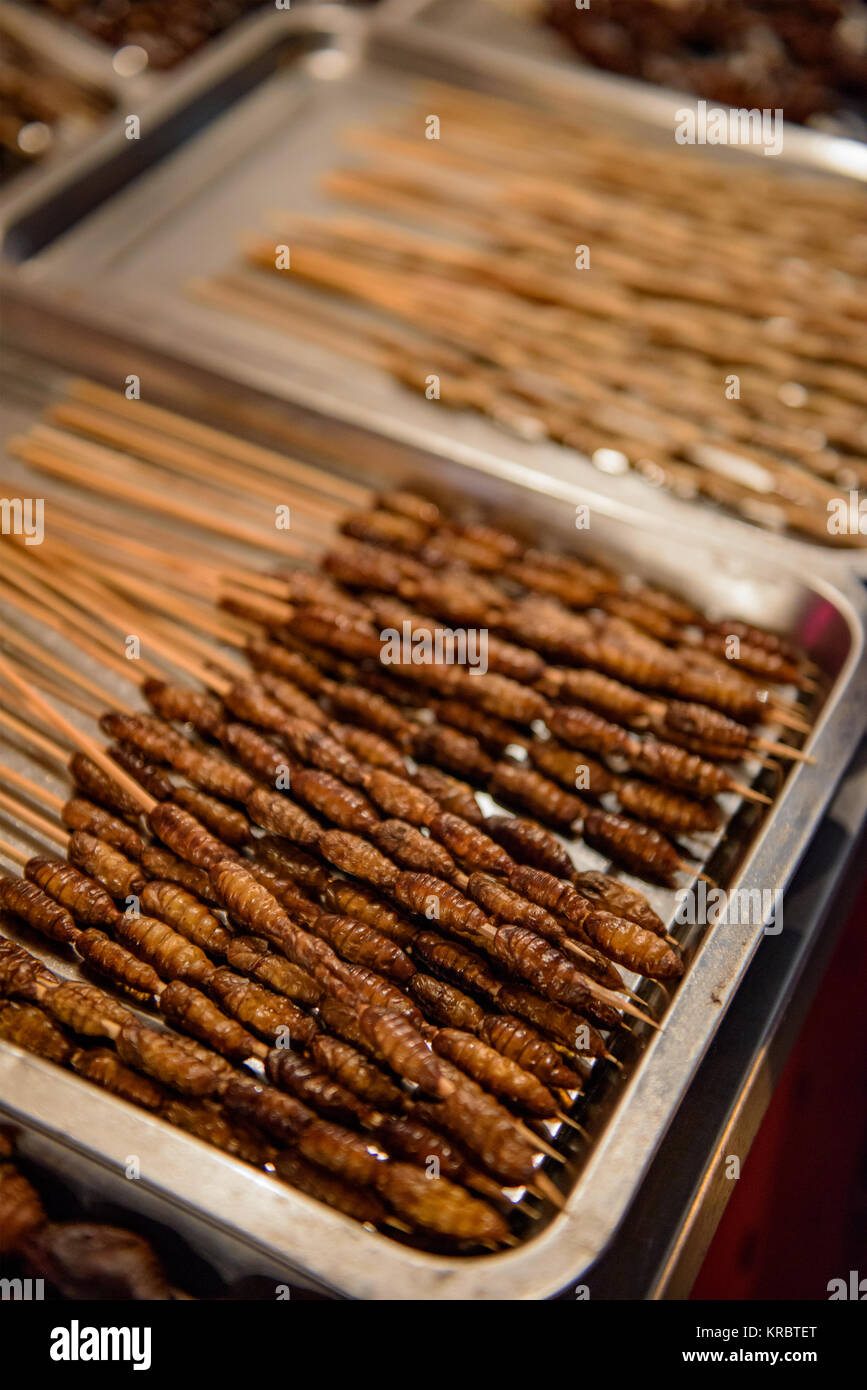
(245, 1222)
(118, 277)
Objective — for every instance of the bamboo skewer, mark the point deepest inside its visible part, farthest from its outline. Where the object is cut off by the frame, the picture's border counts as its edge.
(32, 789)
(45, 827)
(52, 750)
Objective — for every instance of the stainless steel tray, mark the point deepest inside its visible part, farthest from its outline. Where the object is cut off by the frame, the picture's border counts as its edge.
(119, 277)
(245, 1220)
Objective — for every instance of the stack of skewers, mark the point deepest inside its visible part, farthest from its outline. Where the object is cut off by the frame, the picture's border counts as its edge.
(376, 985)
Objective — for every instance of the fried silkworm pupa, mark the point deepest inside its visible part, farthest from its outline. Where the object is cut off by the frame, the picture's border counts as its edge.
(409, 1139)
(104, 1068)
(289, 895)
(184, 704)
(118, 875)
(401, 798)
(147, 774)
(37, 909)
(470, 844)
(160, 863)
(451, 793)
(347, 808)
(307, 587)
(334, 1191)
(387, 529)
(382, 994)
(357, 857)
(31, 1028)
(21, 1210)
(555, 977)
(364, 945)
(21, 974)
(185, 836)
(159, 1055)
(354, 1072)
(705, 724)
(505, 698)
(530, 843)
(251, 956)
(555, 895)
(149, 734)
(445, 1004)
(86, 1009)
(568, 767)
(404, 1048)
(101, 788)
(440, 1206)
(617, 897)
(520, 1042)
(570, 589)
(171, 954)
(633, 947)
(500, 902)
(294, 863)
(485, 1128)
(336, 1149)
(755, 658)
(581, 728)
(756, 636)
(355, 900)
(602, 694)
(373, 711)
(80, 814)
(206, 1120)
(666, 809)
(273, 656)
(371, 748)
(259, 754)
(109, 958)
(227, 822)
(338, 630)
(639, 847)
(195, 1014)
(441, 902)
(410, 848)
(275, 812)
(83, 1260)
(666, 762)
(567, 1028)
(281, 1116)
(528, 788)
(213, 773)
(467, 598)
(271, 1015)
(452, 750)
(293, 700)
(496, 1073)
(456, 961)
(88, 901)
(312, 1086)
(180, 909)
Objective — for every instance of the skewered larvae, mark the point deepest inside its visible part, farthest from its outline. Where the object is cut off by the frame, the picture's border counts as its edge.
(312, 1086)
(445, 1004)
(437, 1205)
(160, 863)
(154, 779)
(577, 771)
(85, 1008)
(344, 806)
(371, 748)
(184, 704)
(667, 809)
(251, 956)
(353, 1071)
(401, 798)
(358, 857)
(159, 1056)
(186, 837)
(80, 814)
(207, 1120)
(102, 789)
(498, 1074)
(543, 966)
(560, 1023)
(451, 794)
(665, 762)
(619, 898)
(109, 958)
(539, 795)
(363, 945)
(530, 843)
(292, 699)
(639, 847)
(195, 1014)
(260, 755)
(632, 946)
(294, 862)
(600, 693)
(456, 752)
(276, 812)
(582, 728)
(441, 902)
(404, 1048)
(470, 844)
(355, 900)
(281, 1116)
(374, 989)
(226, 822)
(171, 954)
(182, 910)
(271, 1015)
(457, 962)
(118, 875)
(327, 1187)
(35, 907)
(103, 1067)
(30, 1027)
(410, 848)
(517, 1040)
(485, 1128)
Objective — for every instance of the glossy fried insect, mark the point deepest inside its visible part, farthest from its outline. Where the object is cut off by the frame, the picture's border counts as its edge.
(313, 745)
(277, 812)
(271, 1015)
(500, 902)
(364, 945)
(571, 589)
(38, 909)
(562, 1024)
(159, 1055)
(443, 903)
(445, 1004)
(160, 863)
(404, 1048)
(187, 837)
(182, 910)
(86, 1009)
(146, 732)
(292, 699)
(498, 1074)
(619, 898)
(568, 767)
(581, 728)
(638, 846)
(153, 778)
(171, 955)
(381, 993)
(485, 1128)
(370, 709)
(399, 797)
(530, 843)
(109, 958)
(195, 1014)
(532, 1052)
(274, 656)
(457, 962)
(469, 844)
(184, 704)
(667, 809)
(338, 630)
(601, 693)
(334, 1191)
(352, 1070)
(118, 875)
(555, 977)
(408, 1138)
(251, 956)
(293, 862)
(228, 823)
(312, 1086)
(633, 947)
(346, 807)
(80, 814)
(355, 900)
(259, 754)
(281, 1116)
(409, 847)
(667, 763)
(456, 752)
(101, 788)
(371, 748)
(756, 658)
(22, 975)
(555, 895)
(451, 794)
(544, 798)
(440, 1206)
(104, 1068)
(387, 529)
(207, 1121)
(31, 1028)
(357, 857)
